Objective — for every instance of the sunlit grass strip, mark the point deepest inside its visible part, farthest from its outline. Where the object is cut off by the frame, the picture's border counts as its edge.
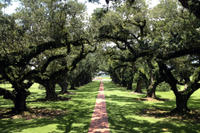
(125, 112)
(77, 119)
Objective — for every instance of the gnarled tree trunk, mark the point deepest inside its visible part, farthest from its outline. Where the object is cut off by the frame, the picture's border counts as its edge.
(181, 103)
(20, 101)
(72, 87)
(64, 86)
(152, 88)
(123, 83)
(129, 85)
(50, 91)
(151, 91)
(139, 86)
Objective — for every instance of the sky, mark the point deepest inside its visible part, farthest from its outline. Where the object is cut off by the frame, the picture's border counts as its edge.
(90, 6)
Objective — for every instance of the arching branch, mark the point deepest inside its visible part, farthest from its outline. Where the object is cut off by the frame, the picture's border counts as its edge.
(192, 5)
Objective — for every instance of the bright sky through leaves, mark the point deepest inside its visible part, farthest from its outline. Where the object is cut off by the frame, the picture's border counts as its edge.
(90, 6)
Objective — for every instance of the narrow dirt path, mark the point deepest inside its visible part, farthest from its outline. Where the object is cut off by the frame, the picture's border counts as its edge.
(99, 122)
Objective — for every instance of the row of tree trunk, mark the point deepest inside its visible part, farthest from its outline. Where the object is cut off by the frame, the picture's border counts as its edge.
(182, 97)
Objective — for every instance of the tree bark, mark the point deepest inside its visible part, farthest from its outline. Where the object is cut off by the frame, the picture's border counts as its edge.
(139, 86)
(129, 85)
(64, 86)
(152, 87)
(72, 87)
(192, 5)
(181, 103)
(20, 101)
(123, 83)
(50, 91)
(151, 91)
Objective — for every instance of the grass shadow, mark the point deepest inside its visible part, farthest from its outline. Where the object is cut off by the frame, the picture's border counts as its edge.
(77, 119)
(125, 113)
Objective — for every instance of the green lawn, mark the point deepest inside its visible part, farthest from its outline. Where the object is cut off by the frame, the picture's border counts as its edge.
(77, 119)
(104, 78)
(125, 112)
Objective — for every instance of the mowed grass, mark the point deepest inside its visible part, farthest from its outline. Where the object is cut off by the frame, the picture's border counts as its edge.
(77, 119)
(125, 112)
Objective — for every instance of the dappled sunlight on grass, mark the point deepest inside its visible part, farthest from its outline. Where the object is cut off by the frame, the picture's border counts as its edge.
(78, 109)
(125, 112)
(3, 102)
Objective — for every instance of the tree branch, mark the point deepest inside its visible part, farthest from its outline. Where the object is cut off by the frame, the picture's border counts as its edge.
(179, 53)
(52, 58)
(169, 78)
(81, 56)
(192, 5)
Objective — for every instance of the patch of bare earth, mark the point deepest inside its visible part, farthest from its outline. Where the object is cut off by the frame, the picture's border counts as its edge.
(152, 99)
(137, 93)
(193, 116)
(32, 113)
(149, 99)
